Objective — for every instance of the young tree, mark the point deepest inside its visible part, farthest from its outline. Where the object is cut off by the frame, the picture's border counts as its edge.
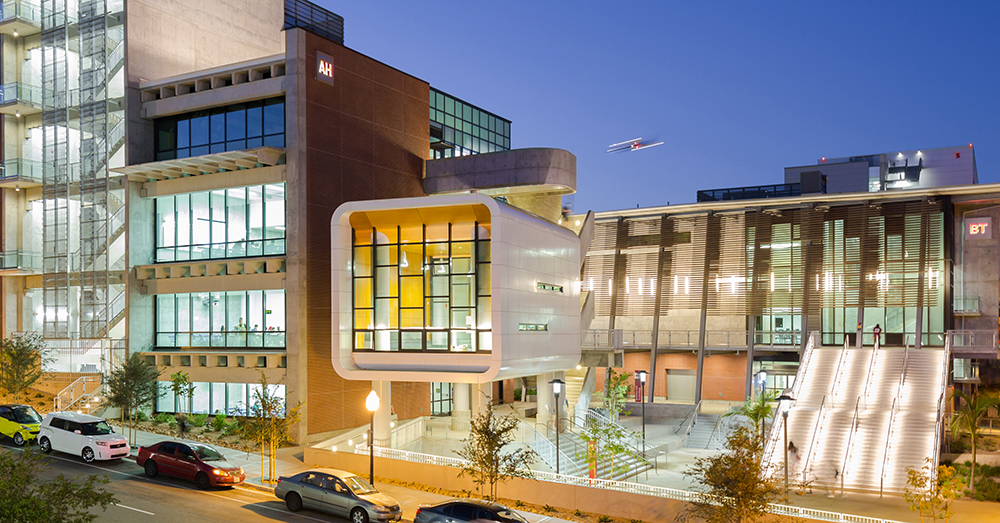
(25, 498)
(967, 419)
(182, 387)
(22, 359)
(735, 482)
(268, 423)
(616, 392)
(758, 410)
(485, 460)
(611, 442)
(131, 386)
(931, 496)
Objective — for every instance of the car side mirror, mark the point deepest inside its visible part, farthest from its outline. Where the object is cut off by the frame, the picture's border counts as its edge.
(77, 431)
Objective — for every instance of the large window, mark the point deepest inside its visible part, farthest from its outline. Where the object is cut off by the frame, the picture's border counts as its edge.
(235, 319)
(226, 223)
(464, 128)
(213, 398)
(422, 288)
(230, 128)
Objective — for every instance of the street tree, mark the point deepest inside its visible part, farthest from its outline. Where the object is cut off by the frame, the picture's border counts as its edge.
(967, 418)
(616, 393)
(735, 483)
(267, 422)
(181, 386)
(26, 498)
(22, 360)
(485, 459)
(757, 409)
(131, 387)
(932, 496)
(608, 442)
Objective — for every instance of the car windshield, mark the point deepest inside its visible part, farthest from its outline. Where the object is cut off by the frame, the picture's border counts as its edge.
(208, 454)
(26, 415)
(96, 428)
(359, 486)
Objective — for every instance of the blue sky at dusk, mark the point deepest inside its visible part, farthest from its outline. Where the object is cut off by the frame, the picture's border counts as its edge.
(737, 90)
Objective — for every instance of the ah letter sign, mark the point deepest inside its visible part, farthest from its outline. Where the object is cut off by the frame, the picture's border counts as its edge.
(324, 68)
(978, 228)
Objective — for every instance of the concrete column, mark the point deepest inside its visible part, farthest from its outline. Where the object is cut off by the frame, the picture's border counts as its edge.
(460, 412)
(546, 403)
(383, 414)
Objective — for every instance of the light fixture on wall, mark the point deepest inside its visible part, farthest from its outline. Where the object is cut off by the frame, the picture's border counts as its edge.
(17, 114)
(17, 188)
(15, 34)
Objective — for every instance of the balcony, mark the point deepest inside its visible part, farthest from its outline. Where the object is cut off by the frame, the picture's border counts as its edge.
(966, 307)
(20, 99)
(20, 174)
(20, 263)
(20, 18)
(973, 344)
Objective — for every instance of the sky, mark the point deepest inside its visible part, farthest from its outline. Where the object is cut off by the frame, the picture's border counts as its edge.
(736, 90)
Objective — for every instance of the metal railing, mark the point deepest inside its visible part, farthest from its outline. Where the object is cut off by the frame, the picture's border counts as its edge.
(617, 339)
(965, 305)
(21, 260)
(24, 170)
(545, 449)
(26, 11)
(896, 402)
(796, 390)
(82, 387)
(627, 487)
(850, 444)
(636, 441)
(971, 339)
(941, 407)
(19, 92)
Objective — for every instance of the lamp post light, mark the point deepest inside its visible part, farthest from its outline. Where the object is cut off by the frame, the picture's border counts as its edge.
(784, 402)
(642, 382)
(371, 403)
(557, 385)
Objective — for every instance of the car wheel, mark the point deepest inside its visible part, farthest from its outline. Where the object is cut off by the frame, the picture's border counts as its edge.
(88, 454)
(151, 470)
(19, 439)
(202, 481)
(293, 502)
(359, 515)
(45, 445)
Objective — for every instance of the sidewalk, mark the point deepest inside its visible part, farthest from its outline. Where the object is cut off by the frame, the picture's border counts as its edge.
(289, 462)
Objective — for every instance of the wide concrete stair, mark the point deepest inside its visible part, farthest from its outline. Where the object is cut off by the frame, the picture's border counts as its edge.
(620, 467)
(706, 433)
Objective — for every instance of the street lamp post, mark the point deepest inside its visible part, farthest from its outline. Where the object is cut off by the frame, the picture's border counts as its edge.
(784, 403)
(371, 403)
(557, 391)
(642, 382)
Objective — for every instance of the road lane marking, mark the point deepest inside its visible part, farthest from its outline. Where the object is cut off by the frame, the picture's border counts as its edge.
(133, 508)
(288, 512)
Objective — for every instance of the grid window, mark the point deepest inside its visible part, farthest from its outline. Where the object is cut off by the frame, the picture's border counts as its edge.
(464, 128)
(235, 319)
(225, 223)
(422, 288)
(230, 128)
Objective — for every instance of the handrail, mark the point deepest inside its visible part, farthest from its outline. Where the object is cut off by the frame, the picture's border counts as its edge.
(836, 373)
(885, 449)
(70, 391)
(871, 369)
(850, 443)
(812, 440)
(541, 443)
(603, 421)
(694, 416)
(796, 389)
(940, 414)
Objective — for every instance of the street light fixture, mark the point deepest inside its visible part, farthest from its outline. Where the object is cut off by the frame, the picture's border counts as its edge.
(371, 403)
(642, 383)
(557, 385)
(784, 403)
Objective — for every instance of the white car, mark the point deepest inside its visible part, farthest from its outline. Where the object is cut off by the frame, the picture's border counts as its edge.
(87, 436)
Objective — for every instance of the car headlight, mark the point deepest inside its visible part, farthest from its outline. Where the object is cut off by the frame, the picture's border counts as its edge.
(218, 472)
(380, 508)
(103, 443)
(241, 471)
(23, 427)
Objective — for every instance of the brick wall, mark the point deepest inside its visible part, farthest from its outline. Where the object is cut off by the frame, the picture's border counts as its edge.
(724, 375)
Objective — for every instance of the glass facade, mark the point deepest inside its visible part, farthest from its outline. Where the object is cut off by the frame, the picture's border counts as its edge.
(225, 223)
(228, 128)
(212, 398)
(461, 129)
(422, 288)
(234, 319)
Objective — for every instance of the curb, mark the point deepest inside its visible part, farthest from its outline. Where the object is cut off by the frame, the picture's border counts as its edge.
(259, 488)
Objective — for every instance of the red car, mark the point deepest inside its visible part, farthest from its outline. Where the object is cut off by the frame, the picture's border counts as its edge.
(194, 461)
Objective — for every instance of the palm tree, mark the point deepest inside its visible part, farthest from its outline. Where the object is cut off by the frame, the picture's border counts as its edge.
(757, 409)
(967, 418)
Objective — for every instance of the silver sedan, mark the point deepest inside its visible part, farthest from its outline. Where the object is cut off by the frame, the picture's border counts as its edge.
(339, 493)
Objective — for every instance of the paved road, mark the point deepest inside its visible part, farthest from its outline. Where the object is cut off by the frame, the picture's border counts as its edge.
(168, 499)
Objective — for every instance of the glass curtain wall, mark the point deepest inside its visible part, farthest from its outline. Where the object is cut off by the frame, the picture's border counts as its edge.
(235, 319)
(229, 128)
(230, 399)
(225, 223)
(422, 288)
(469, 129)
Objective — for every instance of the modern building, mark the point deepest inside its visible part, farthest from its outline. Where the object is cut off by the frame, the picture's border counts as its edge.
(170, 173)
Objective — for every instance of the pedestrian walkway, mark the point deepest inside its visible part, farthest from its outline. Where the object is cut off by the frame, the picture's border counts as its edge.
(289, 462)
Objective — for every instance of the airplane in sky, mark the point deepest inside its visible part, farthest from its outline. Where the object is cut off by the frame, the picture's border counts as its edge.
(631, 145)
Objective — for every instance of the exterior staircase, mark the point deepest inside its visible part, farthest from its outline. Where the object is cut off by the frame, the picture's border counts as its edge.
(704, 433)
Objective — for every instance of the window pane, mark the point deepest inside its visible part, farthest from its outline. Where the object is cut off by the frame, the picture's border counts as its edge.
(236, 123)
(256, 315)
(363, 261)
(183, 205)
(274, 118)
(236, 398)
(200, 312)
(274, 310)
(199, 131)
(463, 341)
(200, 233)
(274, 210)
(410, 261)
(165, 220)
(412, 340)
(236, 311)
(437, 340)
(386, 282)
(362, 292)
(183, 133)
(255, 122)
(218, 128)
(166, 319)
(411, 318)
(255, 197)
(183, 305)
(412, 291)
(236, 215)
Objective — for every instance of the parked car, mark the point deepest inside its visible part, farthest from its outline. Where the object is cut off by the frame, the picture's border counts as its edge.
(464, 510)
(339, 493)
(200, 463)
(87, 436)
(19, 423)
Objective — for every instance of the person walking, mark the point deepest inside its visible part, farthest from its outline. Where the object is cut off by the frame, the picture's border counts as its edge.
(876, 335)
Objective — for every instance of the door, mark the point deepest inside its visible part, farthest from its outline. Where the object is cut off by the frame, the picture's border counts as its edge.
(186, 462)
(164, 458)
(71, 440)
(8, 425)
(460, 513)
(680, 385)
(336, 496)
(311, 490)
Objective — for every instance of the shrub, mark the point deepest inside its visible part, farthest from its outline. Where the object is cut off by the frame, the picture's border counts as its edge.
(197, 420)
(518, 503)
(517, 394)
(219, 421)
(232, 427)
(604, 519)
(578, 513)
(549, 508)
(165, 417)
(139, 415)
(532, 392)
(39, 395)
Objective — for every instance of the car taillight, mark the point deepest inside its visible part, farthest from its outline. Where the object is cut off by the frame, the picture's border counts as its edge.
(418, 511)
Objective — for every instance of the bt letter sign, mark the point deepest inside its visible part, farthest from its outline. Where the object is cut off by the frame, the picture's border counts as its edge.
(978, 228)
(324, 68)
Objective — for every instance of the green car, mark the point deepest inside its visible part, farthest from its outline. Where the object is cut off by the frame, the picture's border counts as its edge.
(19, 423)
